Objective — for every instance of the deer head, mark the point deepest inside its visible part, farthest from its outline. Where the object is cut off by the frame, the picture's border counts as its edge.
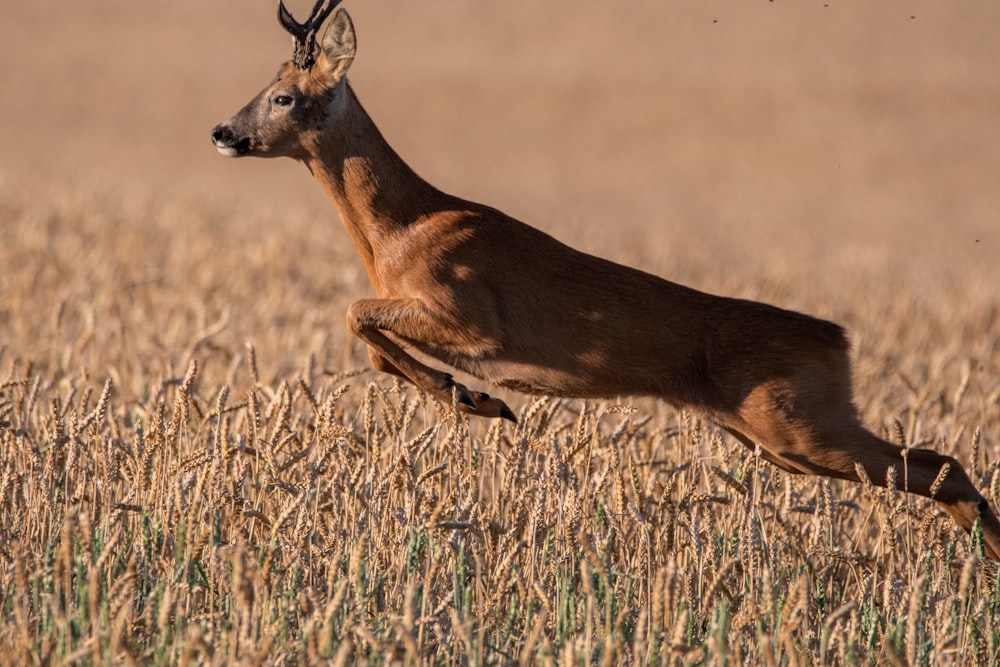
(286, 117)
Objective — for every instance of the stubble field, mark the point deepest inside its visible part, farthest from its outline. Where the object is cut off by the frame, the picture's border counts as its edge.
(196, 466)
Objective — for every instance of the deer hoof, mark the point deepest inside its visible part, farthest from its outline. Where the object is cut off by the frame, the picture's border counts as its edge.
(484, 405)
(507, 413)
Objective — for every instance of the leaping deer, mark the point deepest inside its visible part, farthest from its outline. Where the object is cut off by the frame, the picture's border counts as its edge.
(467, 285)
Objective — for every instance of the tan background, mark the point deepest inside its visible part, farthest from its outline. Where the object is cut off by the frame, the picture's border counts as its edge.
(710, 141)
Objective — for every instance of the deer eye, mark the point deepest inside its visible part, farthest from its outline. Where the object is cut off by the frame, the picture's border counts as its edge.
(283, 100)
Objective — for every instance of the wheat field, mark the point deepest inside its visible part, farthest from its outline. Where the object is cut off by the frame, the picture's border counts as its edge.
(197, 465)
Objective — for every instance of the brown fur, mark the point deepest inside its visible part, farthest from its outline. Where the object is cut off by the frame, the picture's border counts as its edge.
(482, 292)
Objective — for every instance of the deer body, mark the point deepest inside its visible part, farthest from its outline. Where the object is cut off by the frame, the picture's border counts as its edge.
(473, 288)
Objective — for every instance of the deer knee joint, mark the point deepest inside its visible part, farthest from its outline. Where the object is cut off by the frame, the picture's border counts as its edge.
(357, 319)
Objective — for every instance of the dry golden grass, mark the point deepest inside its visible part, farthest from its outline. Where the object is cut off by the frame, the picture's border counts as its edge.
(195, 468)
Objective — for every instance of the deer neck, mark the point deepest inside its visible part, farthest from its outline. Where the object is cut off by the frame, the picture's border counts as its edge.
(376, 193)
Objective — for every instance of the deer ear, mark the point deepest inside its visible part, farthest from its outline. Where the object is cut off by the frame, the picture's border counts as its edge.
(338, 44)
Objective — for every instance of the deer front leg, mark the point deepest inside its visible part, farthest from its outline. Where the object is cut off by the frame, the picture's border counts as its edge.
(474, 402)
(409, 319)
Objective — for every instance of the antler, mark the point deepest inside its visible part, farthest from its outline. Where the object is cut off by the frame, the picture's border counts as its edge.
(304, 34)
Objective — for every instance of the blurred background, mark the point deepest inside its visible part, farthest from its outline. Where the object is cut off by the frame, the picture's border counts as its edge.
(707, 141)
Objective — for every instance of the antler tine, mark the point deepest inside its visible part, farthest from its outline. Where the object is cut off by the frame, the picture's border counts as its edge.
(304, 34)
(289, 23)
(320, 11)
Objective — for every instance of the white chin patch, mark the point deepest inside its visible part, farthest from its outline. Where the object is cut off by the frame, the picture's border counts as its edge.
(228, 151)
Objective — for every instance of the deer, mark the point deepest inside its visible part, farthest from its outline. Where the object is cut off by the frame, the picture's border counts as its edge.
(468, 286)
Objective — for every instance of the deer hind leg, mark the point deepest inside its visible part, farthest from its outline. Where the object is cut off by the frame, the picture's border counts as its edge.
(766, 453)
(932, 475)
(819, 433)
(409, 320)
(835, 451)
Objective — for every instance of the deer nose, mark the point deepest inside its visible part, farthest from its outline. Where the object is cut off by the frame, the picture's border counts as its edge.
(222, 135)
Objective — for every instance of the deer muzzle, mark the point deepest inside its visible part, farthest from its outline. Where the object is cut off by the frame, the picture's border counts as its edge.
(228, 143)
